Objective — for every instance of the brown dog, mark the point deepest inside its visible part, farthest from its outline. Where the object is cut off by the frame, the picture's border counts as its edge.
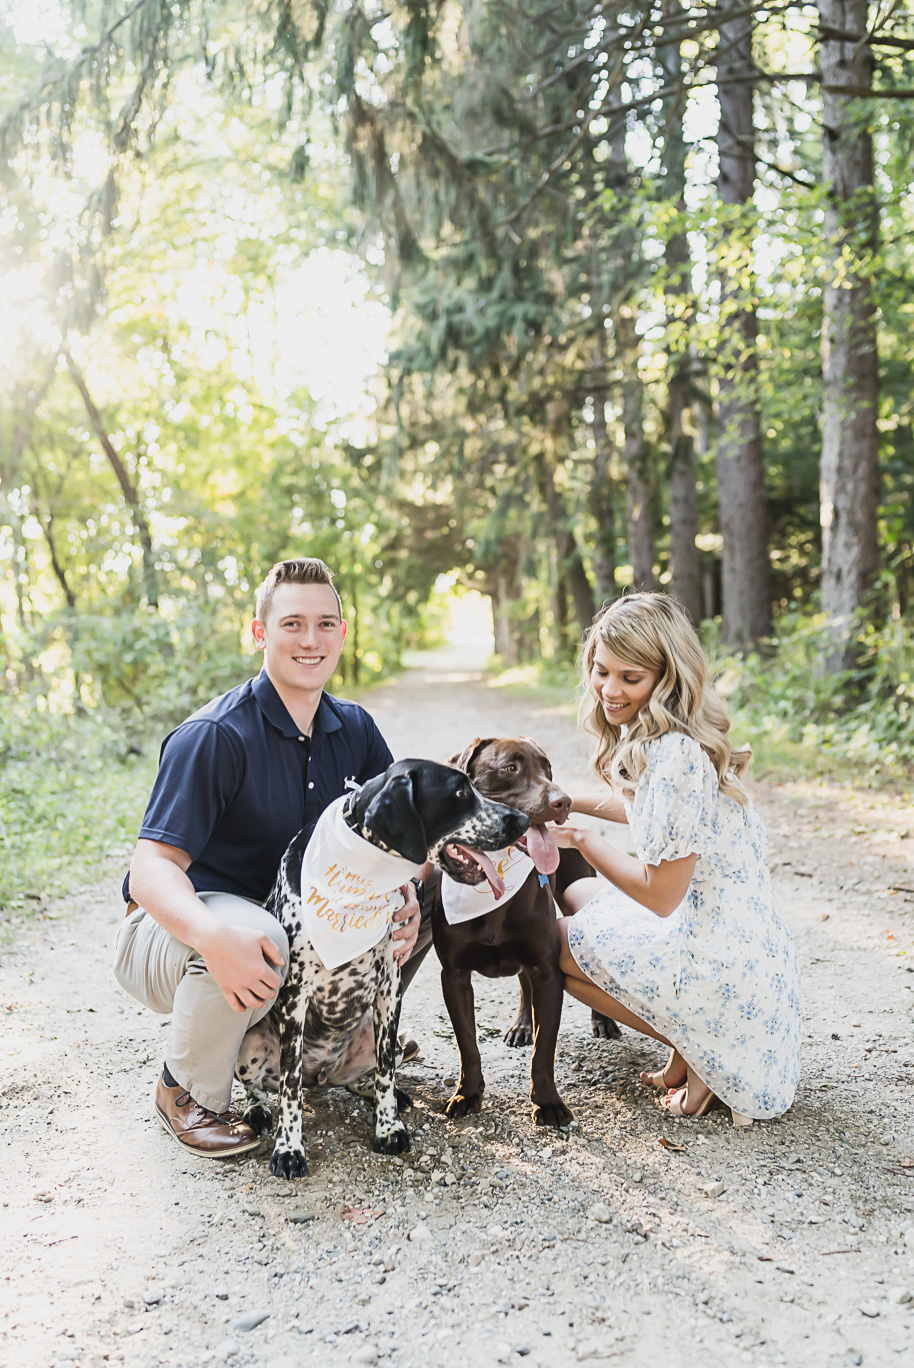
(519, 935)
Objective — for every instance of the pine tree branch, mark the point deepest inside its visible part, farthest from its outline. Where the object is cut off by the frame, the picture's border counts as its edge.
(70, 75)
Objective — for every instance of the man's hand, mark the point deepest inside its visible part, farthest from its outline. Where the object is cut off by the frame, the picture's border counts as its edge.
(406, 930)
(237, 958)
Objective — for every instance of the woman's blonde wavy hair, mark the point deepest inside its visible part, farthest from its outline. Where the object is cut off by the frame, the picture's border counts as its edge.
(653, 631)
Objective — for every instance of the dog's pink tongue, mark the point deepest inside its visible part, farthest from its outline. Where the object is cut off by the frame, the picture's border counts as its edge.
(542, 849)
(496, 882)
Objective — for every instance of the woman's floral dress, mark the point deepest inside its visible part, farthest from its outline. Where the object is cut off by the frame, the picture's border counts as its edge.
(719, 976)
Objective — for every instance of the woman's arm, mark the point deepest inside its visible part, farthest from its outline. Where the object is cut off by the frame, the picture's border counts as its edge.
(660, 888)
(601, 805)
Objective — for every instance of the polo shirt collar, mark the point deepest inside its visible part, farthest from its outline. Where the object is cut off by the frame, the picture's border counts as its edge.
(276, 712)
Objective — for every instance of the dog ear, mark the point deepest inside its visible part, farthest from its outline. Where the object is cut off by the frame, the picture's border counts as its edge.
(464, 759)
(392, 817)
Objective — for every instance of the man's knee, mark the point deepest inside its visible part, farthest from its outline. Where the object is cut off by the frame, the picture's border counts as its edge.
(279, 938)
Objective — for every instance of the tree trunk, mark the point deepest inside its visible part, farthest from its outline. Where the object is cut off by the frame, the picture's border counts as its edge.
(743, 505)
(504, 593)
(684, 557)
(602, 493)
(849, 474)
(47, 527)
(635, 457)
(131, 494)
(569, 563)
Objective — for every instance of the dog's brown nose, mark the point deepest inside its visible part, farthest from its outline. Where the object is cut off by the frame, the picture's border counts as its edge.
(560, 804)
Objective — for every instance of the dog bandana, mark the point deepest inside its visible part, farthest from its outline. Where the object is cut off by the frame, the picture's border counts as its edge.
(463, 902)
(349, 889)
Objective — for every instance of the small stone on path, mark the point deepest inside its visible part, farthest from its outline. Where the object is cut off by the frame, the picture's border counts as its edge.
(251, 1320)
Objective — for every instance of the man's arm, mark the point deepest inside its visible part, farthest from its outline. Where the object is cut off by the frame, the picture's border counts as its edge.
(236, 957)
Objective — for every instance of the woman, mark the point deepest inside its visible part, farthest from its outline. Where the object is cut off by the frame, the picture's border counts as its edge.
(687, 943)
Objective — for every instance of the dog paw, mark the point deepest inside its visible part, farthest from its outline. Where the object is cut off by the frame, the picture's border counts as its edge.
(552, 1113)
(288, 1163)
(520, 1035)
(259, 1118)
(462, 1104)
(603, 1027)
(404, 1101)
(393, 1141)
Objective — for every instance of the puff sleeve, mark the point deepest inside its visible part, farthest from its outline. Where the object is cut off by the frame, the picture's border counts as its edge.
(673, 807)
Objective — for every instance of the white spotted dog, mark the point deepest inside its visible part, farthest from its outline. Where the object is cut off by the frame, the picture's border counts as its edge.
(335, 896)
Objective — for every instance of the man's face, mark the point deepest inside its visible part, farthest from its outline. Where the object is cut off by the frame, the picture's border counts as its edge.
(302, 637)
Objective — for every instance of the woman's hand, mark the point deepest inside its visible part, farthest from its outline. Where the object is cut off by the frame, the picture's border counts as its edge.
(568, 836)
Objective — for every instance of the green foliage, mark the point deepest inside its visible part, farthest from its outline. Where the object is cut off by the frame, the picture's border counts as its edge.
(71, 798)
(800, 720)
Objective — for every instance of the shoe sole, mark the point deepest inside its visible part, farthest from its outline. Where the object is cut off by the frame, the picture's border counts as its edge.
(205, 1154)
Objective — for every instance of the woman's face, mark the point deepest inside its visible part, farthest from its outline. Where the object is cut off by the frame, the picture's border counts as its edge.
(622, 688)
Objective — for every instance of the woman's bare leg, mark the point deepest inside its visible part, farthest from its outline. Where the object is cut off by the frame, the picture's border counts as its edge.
(577, 894)
(673, 1075)
(585, 990)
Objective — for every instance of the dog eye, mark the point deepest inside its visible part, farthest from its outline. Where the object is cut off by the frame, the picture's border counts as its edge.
(511, 769)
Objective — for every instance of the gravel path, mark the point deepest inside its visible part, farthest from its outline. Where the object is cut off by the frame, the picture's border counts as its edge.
(633, 1237)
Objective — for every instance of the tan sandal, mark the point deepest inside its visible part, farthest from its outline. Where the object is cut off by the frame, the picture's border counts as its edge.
(658, 1080)
(672, 1103)
(675, 1099)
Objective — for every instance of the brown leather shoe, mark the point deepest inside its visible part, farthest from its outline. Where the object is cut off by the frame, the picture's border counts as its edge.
(214, 1135)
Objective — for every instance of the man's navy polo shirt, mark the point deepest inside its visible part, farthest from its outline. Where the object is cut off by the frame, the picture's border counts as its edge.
(238, 780)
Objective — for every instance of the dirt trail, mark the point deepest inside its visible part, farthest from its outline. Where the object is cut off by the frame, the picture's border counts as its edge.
(633, 1238)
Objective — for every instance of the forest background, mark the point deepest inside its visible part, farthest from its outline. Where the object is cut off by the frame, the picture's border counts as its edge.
(536, 300)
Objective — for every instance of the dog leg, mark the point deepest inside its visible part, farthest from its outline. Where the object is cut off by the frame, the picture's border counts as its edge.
(364, 1087)
(603, 1027)
(548, 993)
(521, 1033)
(288, 1158)
(258, 1070)
(461, 1006)
(390, 1134)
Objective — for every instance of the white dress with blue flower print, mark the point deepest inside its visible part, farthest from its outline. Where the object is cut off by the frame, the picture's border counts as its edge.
(718, 977)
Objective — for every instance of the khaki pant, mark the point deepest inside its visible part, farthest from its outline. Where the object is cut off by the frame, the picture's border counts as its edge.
(170, 977)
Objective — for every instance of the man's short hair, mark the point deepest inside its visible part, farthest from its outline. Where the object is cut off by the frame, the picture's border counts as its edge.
(305, 570)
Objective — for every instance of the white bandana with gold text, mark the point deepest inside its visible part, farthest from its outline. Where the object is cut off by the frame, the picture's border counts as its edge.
(463, 902)
(349, 889)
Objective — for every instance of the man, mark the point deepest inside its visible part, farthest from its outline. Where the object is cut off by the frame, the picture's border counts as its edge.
(236, 782)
